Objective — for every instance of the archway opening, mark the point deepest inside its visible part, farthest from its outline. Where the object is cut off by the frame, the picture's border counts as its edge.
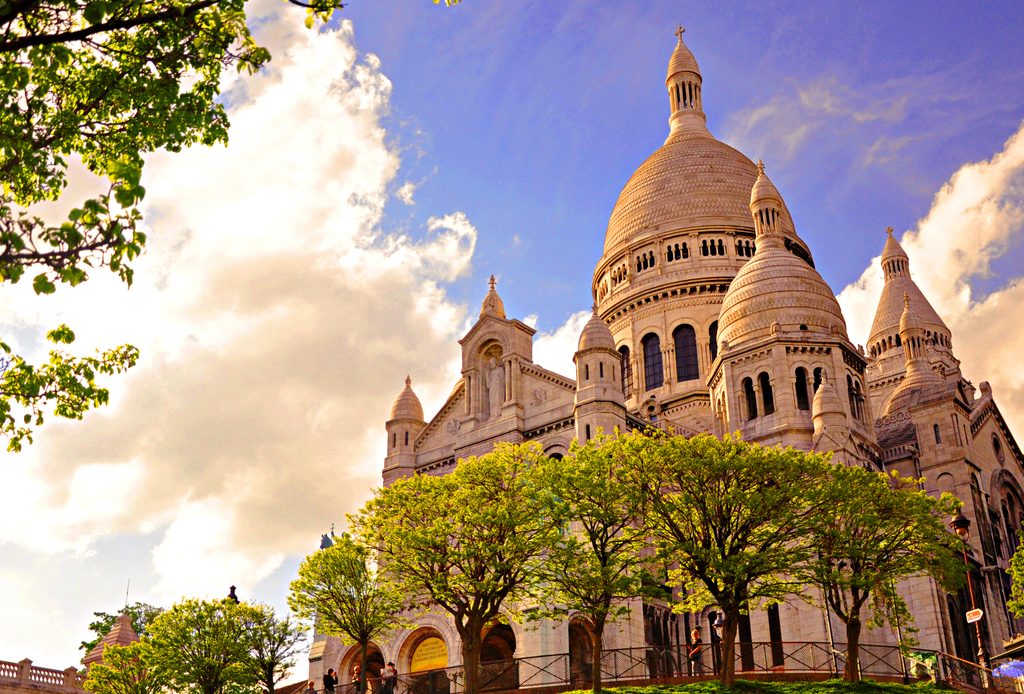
(581, 654)
(498, 668)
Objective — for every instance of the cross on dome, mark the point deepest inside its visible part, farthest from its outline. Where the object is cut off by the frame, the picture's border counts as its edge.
(492, 282)
(760, 166)
(888, 231)
(679, 33)
(408, 381)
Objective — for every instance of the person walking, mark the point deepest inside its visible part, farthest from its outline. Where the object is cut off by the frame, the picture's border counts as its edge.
(388, 679)
(696, 647)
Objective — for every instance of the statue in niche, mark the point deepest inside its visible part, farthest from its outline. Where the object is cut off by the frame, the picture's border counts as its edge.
(495, 387)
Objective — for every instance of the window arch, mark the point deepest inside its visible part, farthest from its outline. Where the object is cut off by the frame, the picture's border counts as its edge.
(802, 401)
(937, 433)
(627, 371)
(685, 340)
(748, 395)
(713, 337)
(767, 397)
(653, 373)
(588, 433)
(819, 373)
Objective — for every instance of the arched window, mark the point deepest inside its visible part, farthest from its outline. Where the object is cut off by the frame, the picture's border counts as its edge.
(739, 247)
(407, 438)
(394, 440)
(802, 401)
(851, 395)
(748, 395)
(721, 247)
(713, 337)
(818, 373)
(586, 372)
(588, 432)
(860, 400)
(651, 256)
(600, 369)
(704, 247)
(767, 397)
(627, 371)
(713, 249)
(686, 252)
(899, 342)
(668, 254)
(639, 267)
(685, 339)
(938, 435)
(653, 374)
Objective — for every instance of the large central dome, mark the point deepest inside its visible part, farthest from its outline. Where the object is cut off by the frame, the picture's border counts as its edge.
(693, 180)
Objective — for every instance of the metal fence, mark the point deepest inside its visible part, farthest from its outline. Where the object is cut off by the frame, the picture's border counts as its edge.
(647, 664)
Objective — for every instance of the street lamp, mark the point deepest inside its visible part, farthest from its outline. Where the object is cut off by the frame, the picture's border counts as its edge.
(962, 527)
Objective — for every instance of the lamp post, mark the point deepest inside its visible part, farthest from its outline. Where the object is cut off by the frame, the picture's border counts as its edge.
(962, 527)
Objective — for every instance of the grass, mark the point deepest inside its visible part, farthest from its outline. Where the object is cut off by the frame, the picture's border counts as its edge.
(766, 687)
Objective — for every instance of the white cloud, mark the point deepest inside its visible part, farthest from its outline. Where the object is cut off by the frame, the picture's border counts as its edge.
(975, 218)
(405, 192)
(555, 350)
(276, 321)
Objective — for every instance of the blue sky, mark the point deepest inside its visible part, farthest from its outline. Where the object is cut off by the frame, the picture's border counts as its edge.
(530, 116)
(380, 170)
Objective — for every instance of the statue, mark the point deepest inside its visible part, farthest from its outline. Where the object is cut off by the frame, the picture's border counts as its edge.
(495, 387)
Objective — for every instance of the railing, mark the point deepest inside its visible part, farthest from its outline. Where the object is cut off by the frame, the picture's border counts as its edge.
(26, 674)
(636, 664)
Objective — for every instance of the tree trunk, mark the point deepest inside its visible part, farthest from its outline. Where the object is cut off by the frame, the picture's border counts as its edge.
(595, 664)
(727, 672)
(471, 643)
(851, 673)
(362, 666)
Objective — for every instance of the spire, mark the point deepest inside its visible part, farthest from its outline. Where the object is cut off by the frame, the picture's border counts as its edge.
(407, 405)
(895, 262)
(492, 304)
(766, 207)
(686, 110)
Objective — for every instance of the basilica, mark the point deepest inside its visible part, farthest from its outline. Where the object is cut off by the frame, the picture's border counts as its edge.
(709, 316)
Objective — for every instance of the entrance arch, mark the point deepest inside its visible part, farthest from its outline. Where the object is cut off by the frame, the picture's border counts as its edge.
(498, 668)
(353, 657)
(581, 653)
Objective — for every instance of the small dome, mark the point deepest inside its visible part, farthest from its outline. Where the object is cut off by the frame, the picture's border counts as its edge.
(407, 405)
(596, 335)
(775, 290)
(892, 248)
(763, 189)
(492, 304)
(682, 59)
(826, 400)
(909, 320)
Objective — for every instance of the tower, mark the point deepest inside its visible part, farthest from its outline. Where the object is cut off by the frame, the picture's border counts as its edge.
(403, 426)
(599, 403)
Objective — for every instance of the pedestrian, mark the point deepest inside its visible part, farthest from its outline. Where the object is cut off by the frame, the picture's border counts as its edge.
(357, 678)
(696, 644)
(388, 679)
(311, 689)
(330, 681)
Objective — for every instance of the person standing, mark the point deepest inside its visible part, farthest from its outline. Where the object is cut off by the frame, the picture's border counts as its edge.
(357, 679)
(388, 679)
(330, 681)
(696, 647)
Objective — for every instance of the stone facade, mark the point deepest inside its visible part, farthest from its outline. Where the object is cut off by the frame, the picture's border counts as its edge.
(710, 317)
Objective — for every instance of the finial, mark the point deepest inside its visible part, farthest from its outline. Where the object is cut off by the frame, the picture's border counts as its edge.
(760, 167)
(408, 381)
(492, 282)
(906, 300)
(679, 33)
(593, 307)
(888, 231)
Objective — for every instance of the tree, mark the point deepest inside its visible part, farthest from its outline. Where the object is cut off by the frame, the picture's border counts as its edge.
(597, 560)
(731, 516)
(200, 647)
(1016, 602)
(102, 82)
(123, 670)
(469, 541)
(870, 531)
(272, 644)
(341, 587)
(141, 615)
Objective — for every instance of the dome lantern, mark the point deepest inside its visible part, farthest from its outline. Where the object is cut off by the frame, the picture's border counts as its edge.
(686, 108)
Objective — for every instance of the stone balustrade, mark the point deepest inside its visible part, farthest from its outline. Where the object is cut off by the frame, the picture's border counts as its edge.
(24, 678)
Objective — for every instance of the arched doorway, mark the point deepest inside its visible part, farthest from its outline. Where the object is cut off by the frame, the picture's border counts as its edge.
(581, 654)
(374, 666)
(498, 668)
(425, 658)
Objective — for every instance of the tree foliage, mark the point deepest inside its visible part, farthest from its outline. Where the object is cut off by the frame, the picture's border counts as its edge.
(731, 516)
(470, 541)
(272, 644)
(870, 531)
(200, 647)
(141, 614)
(597, 560)
(124, 670)
(341, 588)
(1016, 602)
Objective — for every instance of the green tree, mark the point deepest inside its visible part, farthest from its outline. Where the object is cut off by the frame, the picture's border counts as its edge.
(731, 516)
(871, 530)
(200, 647)
(141, 615)
(103, 82)
(1016, 602)
(341, 588)
(596, 563)
(469, 541)
(272, 644)
(124, 671)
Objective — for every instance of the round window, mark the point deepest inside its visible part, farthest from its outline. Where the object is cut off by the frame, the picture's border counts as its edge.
(997, 446)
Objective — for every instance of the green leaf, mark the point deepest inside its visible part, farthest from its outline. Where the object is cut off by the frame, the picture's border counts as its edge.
(42, 285)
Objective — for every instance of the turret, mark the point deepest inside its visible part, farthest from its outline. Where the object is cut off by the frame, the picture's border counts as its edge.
(683, 82)
(404, 425)
(599, 402)
(827, 411)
